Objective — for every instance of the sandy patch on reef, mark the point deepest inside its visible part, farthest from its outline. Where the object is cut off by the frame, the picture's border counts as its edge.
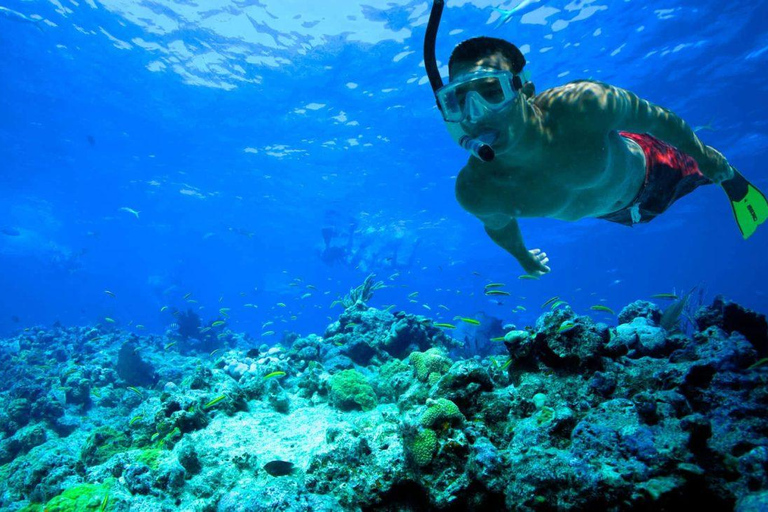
(270, 435)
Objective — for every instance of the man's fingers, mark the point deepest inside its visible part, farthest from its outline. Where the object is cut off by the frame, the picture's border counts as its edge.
(545, 261)
(535, 251)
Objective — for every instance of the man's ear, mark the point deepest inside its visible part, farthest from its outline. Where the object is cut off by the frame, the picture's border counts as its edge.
(528, 90)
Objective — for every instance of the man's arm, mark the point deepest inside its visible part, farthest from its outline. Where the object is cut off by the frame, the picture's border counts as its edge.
(624, 110)
(509, 238)
(502, 228)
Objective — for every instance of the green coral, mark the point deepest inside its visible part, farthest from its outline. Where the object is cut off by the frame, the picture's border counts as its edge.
(429, 366)
(349, 390)
(392, 368)
(82, 498)
(149, 457)
(440, 412)
(423, 446)
(103, 444)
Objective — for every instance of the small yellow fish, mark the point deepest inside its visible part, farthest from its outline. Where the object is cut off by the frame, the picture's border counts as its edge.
(218, 323)
(426, 306)
(187, 296)
(557, 304)
(204, 330)
(312, 287)
(266, 324)
(494, 285)
(169, 345)
(109, 293)
(224, 311)
(274, 374)
(268, 333)
(470, 321)
(412, 295)
(566, 326)
(214, 401)
(605, 309)
(306, 295)
(549, 301)
(140, 327)
(163, 308)
(444, 326)
(528, 276)
(282, 305)
(499, 338)
(670, 296)
(496, 292)
(444, 307)
(520, 308)
(108, 320)
(213, 352)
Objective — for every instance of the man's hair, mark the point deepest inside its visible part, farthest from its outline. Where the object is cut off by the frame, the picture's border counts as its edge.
(480, 47)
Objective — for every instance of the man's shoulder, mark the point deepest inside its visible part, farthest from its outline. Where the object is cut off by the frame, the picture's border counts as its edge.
(572, 93)
(583, 99)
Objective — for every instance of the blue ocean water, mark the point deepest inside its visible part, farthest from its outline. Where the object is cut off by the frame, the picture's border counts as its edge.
(192, 190)
(242, 130)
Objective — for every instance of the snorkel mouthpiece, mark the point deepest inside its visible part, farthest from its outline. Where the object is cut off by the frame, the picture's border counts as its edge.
(479, 148)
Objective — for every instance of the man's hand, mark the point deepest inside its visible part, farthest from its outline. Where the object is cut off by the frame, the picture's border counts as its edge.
(535, 262)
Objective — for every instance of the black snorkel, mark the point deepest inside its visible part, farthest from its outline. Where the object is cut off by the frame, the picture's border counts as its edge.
(477, 147)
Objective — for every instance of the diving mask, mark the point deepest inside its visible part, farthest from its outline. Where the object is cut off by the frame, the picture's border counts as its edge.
(474, 93)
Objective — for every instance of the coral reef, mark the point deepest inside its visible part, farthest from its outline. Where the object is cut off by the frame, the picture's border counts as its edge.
(378, 413)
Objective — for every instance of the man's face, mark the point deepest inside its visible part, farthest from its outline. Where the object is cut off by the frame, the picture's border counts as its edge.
(478, 121)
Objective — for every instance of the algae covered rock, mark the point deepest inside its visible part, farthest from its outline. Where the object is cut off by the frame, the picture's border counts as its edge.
(394, 379)
(463, 384)
(730, 316)
(577, 348)
(103, 444)
(349, 390)
(132, 368)
(640, 309)
(81, 498)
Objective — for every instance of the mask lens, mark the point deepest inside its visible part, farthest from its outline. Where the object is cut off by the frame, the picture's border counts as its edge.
(453, 98)
(488, 87)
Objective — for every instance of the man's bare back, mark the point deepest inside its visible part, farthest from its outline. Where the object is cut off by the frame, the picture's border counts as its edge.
(577, 172)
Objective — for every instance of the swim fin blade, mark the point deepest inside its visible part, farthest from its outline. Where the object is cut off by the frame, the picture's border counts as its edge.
(749, 204)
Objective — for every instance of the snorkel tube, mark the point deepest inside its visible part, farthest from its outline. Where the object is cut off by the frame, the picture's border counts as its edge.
(477, 147)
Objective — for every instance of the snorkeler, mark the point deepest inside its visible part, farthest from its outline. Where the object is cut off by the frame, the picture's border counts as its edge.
(584, 149)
